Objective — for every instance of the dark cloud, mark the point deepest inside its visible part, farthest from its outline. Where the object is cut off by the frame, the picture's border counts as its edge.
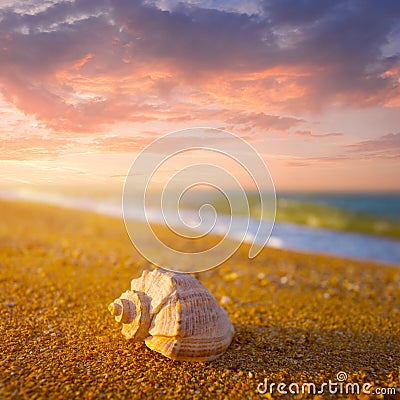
(196, 40)
(298, 12)
(329, 51)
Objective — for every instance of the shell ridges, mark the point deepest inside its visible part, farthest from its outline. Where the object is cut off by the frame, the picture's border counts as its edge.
(175, 315)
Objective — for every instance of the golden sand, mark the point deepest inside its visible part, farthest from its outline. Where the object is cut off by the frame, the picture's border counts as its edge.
(298, 318)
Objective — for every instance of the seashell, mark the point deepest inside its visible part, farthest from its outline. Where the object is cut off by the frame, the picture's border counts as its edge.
(174, 314)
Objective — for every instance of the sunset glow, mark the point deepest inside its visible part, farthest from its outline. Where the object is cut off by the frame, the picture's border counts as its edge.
(314, 87)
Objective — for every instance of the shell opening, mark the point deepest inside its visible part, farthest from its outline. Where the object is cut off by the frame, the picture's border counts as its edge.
(132, 309)
(123, 310)
(115, 309)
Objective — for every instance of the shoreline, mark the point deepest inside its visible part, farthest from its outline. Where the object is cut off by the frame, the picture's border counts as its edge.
(286, 235)
(298, 318)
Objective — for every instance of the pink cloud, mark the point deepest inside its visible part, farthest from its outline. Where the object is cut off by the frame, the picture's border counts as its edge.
(80, 66)
(121, 144)
(386, 147)
(262, 121)
(313, 161)
(31, 147)
(383, 147)
(317, 135)
(389, 141)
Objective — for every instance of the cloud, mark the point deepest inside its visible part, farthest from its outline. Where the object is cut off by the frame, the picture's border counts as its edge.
(31, 147)
(120, 144)
(297, 13)
(264, 122)
(317, 135)
(386, 146)
(81, 65)
(316, 161)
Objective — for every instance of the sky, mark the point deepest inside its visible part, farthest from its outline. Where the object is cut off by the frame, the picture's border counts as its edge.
(312, 85)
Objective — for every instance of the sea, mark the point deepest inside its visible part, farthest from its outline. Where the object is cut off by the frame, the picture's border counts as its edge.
(284, 235)
(384, 205)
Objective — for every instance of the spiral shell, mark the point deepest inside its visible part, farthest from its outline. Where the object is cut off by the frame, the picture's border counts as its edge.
(175, 315)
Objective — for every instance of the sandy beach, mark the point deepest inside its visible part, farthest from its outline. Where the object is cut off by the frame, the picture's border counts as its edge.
(298, 318)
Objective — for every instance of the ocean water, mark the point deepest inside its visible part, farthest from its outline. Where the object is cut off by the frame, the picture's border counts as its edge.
(284, 235)
(381, 205)
(296, 237)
